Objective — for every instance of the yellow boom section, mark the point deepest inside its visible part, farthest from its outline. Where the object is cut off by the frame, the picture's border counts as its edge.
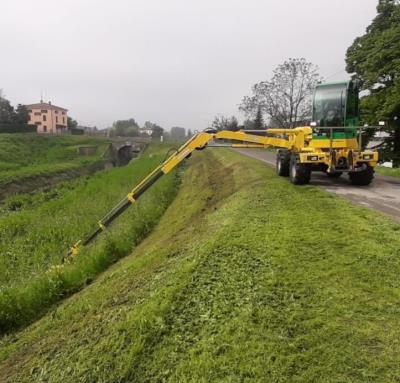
(199, 141)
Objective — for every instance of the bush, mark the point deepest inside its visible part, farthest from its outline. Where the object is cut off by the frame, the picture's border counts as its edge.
(17, 128)
(76, 131)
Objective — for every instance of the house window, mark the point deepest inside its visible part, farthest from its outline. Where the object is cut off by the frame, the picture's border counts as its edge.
(56, 118)
(56, 111)
(64, 120)
(44, 110)
(63, 113)
(37, 114)
(38, 123)
(44, 117)
(45, 128)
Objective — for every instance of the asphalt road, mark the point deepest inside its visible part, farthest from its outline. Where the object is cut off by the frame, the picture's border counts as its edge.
(382, 195)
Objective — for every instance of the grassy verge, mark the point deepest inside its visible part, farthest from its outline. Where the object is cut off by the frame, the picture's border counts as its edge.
(28, 155)
(247, 278)
(34, 238)
(393, 172)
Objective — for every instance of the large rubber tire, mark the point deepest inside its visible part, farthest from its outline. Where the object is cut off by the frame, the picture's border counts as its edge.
(362, 178)
(299, 174)
(334, 175)
(282, 163)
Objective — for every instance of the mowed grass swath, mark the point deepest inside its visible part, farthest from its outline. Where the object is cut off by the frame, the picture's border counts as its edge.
(26, 155)
(35, 238)
(241, 281)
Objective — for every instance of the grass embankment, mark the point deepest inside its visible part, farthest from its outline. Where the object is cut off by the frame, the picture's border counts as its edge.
(393, 172)
(32, 155)
(247, 278)
(35, 237)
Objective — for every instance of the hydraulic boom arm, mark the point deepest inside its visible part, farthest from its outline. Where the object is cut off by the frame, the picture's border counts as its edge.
(197, 142)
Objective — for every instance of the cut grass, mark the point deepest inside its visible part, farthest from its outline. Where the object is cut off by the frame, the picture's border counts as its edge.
(247, 278)
(28, 155)
(35, 238)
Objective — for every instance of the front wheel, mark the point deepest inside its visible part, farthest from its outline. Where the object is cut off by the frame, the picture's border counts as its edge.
(362, 178)
(282, 163)
(299, 174)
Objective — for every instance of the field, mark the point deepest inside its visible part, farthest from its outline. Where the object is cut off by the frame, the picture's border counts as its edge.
(246, 278)
(37, 230)
(30, 155)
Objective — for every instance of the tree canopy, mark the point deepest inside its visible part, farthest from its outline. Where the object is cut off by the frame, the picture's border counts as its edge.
(286, 98)
(225, 123)
(374, 60)
(177, 133)
(9, 115)
(157, 131)
(127, 128)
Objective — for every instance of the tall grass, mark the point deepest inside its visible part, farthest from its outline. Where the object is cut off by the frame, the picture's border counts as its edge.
(23, 155)
(34, 239)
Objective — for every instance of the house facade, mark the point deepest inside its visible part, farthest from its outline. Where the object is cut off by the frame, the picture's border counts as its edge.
(48, 118)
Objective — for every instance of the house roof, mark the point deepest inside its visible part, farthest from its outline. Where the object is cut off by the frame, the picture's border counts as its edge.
(45, 105)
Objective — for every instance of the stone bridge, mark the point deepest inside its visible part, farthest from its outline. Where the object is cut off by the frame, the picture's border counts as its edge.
(123, 149)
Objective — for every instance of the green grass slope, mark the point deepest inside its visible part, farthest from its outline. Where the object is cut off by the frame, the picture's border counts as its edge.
(393, 172)
(27, 155)
(247, 278)
(35, 237)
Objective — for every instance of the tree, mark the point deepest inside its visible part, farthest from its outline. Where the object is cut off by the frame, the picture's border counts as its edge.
(10, 116)
(286, 98)
(71, 123)
(127, 128)
(248, 124)
(177, 133)
(259, 121)
(225, 123)
(373, 59)
(7, 114)
(156, 130)
(21, 114)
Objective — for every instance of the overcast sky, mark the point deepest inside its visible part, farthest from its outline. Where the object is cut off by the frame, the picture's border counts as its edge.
(174, 62)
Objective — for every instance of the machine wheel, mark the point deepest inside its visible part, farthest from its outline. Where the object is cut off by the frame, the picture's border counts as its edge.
(363, 177)
(299, 173)
(334, 175)
(282, 163)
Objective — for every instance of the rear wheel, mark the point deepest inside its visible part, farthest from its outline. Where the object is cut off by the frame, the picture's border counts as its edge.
(299, 174)
(362, 178)
(282, 163)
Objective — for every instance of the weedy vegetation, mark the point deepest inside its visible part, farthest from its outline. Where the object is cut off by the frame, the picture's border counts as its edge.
(393, 172)
(37, 230)
(246, 278)
(30, 155)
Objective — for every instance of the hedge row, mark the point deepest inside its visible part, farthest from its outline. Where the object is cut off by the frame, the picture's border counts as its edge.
(17, 128)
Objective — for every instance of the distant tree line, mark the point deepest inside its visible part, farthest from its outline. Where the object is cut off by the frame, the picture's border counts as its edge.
(130, 128)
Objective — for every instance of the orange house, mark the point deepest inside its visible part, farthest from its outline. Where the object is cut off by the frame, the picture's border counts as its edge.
(48, 118)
